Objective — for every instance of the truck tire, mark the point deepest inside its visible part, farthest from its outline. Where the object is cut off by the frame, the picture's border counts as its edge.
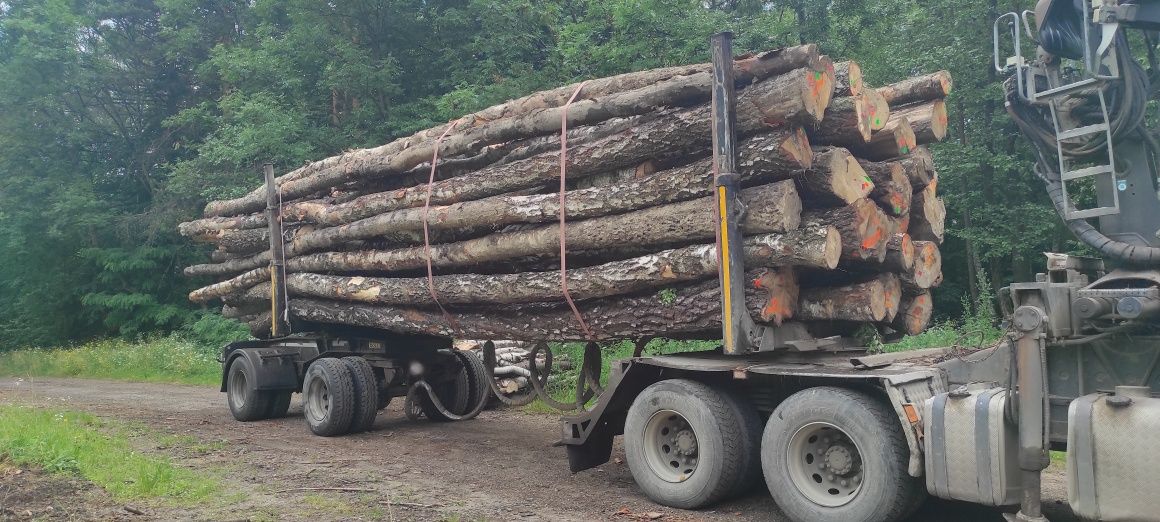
(247, 403)
(328, 397)
(480, 389)
(751, 443)
(683, 442)
(454, 394)
(279, 404)
(833, 454)
(366, 395)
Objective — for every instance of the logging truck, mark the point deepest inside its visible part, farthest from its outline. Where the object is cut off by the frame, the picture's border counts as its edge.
(834, 432)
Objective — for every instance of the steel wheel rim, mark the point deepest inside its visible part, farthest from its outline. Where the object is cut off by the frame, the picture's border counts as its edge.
(825, 464)
(317, 403)
(238, 388)
(670, 446)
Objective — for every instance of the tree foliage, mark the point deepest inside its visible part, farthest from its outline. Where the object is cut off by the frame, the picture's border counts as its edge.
(122, 117)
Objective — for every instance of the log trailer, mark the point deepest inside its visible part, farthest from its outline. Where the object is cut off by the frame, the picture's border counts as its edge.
(835, 432)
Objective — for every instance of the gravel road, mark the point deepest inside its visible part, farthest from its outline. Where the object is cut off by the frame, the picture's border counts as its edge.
(500, 466)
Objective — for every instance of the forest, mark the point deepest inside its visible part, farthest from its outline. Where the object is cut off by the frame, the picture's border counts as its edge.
(121, 118)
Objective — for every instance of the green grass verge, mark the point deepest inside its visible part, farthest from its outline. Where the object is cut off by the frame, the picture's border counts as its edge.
(77, 443)
(166, 359)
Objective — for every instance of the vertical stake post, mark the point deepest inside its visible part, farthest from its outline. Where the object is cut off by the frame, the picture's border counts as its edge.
(736, 322)
(279, 325)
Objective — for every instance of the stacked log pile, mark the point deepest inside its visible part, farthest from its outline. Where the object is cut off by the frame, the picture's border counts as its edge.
(842, 221)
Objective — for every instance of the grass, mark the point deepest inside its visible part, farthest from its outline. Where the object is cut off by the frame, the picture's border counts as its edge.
(166, 359)
(77, 443)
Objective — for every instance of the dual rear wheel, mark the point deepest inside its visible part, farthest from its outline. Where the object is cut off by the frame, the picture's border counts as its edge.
(826, 453)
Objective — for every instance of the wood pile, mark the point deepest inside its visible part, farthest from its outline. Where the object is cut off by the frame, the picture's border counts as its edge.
(842, 221)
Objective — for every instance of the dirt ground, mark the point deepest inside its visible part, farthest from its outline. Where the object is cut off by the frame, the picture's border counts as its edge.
(500, 466)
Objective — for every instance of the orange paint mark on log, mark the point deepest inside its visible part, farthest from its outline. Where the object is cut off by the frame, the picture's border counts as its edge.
(871, 241)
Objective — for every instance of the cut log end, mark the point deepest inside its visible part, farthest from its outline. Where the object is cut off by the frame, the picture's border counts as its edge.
(781, 289)
(878, 112)
(927, 269)
(914, 314)
(797, 148)
(848, 79)
(900, 253)
(894, 140)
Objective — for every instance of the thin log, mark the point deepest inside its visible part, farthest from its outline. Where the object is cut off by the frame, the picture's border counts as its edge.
(892, 190)
(919, 167)
(665, 268)
(918, 89)
(397, 158)
(926, 271)
(846, 123)
(205, 227)
(878, 111)
(928, 119)
(836, 178)
(914, 314)
(847, 79)
(864, 228)
(771, 208)
(928, 216)
(894, 140)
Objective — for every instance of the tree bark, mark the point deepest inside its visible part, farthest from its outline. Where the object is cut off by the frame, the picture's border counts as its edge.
(846, 123)
(927, 216)
(928, 119)
(835, 178)
(926, 271)
(679, 90)
(900, 254)
(894, 140)
(892, 190)
(864, 302)
(864, 228)
(918, 89)
(914, 313)
(847, 79)
(919, 167)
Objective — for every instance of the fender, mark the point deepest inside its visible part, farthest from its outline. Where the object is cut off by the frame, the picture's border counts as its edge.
(276, 367)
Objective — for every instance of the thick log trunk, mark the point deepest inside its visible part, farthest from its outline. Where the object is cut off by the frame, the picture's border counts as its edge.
(772, 208)
(394, 159)
(864, 228)
(835, 178)
(846, 123)
(926, 271)
(892, 190)
(694, 310)
(914, 313)
(666, 268)
(894, 140)
(918, 89)
(927, 216)
(892, 294)
(900, 254)
(847, 79)
(865, 301)
(919, 167)
(878, 111)
(928, 119)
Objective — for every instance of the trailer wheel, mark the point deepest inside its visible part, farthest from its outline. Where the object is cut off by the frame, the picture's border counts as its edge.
(832, 454)
(684, 443)
(279, 404)
(455, 395)
(328, 397)
(246, 402)
(366, 396)
(750, 475)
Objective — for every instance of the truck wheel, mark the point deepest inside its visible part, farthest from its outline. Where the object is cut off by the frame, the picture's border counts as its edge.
(751, 443)
(328, 397)
(454, 394)
(366, 396)
(832, 454)
(279, 404)
(683, 443)
(479, 388)
(246, 402)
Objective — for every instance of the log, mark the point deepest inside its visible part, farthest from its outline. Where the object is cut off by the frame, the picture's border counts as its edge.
(781, 287)
(927, 216)
(926, 272)
(777, 155)
(395, 158)
(892, 294)
(846, 123)
(689, 311)
(865, 301)
(918, 89)
(665, 268)
(894, 140)
(836, 178)
(919, 167)
(901, 223)
(928, 119)
(779, 102)
(877, 110)
(914, 313)
(892, 190)
(900, 253)
(207, 226)
(772, 208)
(864, 229)
(847, 79)
(824, 79)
